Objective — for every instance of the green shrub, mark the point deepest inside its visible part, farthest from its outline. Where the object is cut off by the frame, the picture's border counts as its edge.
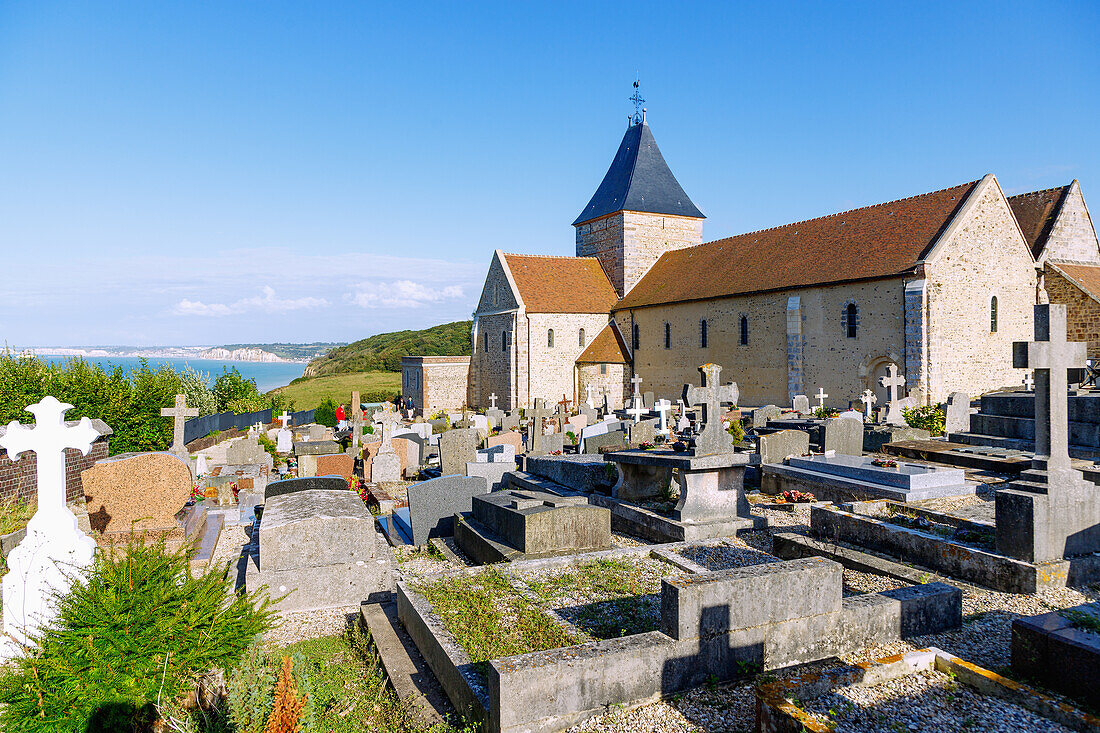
(128, 638)
(251, 688)
(930, 417)
(325, 414)
(736, 431)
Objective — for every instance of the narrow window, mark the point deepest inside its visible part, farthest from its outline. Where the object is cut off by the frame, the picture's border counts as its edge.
(503, 340)
(703, 334)
(635, 340)
(603, 368)
(550, 338)
(744, 330)
(851, 320)
(580, 338)
(668, 336)
(993, 314)
(486, 340)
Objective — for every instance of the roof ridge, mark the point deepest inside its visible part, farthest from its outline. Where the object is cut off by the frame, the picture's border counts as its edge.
(549, 257)
(1042, 190)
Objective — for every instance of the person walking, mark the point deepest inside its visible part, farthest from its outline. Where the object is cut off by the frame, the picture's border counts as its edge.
(341, 420)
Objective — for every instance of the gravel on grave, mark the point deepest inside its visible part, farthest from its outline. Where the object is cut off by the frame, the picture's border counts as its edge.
(296, 626)
(923, 701)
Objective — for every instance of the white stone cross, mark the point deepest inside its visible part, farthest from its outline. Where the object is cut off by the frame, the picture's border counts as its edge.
(868, 398)
(663, 408)
(180, 413)
(636, 381)
(1050, 355)
(710, 396)
(589, 396)
(55, 547)
(1029, 382)
(284, 419)
(893, 382)
(493, 400)
(637, 409)
(389, 419)
(820, 397)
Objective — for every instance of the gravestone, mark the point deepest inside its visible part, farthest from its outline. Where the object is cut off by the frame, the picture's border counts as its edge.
(456, 449)
(761, 415)
(316, 447)
(552, 443)
(139, 490)
(356, 422)
(577, 423)
(648, 400)
(497, 454)
(801, 404)
(589, 412)
(386, 464)
(778, 446)
(179, 414)
(535, 431)
(284, 441)
(709, 398)
(317, 432)
(511, 438)
(434, 503)
(821, 397)
(957, 419)
(293, 485)
(243, 451)
(682, 422)
(337, 464)
(54, 551)
(613, 440)
(663, 408)
(415, 450)
(643, 432)
(492, 471)
(893, 382)
(868, 398)
(510, 422)
(844, 436)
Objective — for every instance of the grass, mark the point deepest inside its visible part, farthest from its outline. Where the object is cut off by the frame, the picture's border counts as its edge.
(372, 387)
(490, 619)
(14, 515)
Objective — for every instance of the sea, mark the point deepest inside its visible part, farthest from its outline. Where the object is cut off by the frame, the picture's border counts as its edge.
(268, 375)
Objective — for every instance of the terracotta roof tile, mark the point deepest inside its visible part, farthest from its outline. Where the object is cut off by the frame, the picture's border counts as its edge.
(561, 284)
(1086, 277)
(876, 241)
(607, 348)
(1036, 212)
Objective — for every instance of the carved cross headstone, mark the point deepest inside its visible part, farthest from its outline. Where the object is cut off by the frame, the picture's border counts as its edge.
(637, 409)
(538, 415)
(820, 397)
(682, 423)
(710, 397)
(636, 381)
(285, 419)
(493, 400)
(589, 396)
(663, 408)
(356, 420)
(564, 404)
(54, 548)
(868, 398)
(1029, 382)
(389, 419)
(893, 382)
(179, 415)
(1050, 355)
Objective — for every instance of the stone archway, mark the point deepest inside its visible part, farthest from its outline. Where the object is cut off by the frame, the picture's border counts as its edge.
(874, 367)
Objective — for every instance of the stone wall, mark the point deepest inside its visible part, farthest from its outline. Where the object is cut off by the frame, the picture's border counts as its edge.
(435, 382)
(1073, 236)
(1082, 311)
(493, 366)
(552, 369)
(981, 255)
(627, 243)
(614, 381)
(19, 479)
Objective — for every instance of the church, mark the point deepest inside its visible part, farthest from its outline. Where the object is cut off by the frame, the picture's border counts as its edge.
(940, 284)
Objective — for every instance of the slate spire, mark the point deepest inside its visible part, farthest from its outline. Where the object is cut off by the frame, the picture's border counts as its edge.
(639, 180)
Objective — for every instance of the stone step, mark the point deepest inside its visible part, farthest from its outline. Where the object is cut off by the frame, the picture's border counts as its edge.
(999, 460)
(1023, 428)
(970, 438)
(404, 667)
(522, 480)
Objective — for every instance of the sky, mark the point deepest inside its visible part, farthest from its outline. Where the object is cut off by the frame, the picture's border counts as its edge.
(181, 173)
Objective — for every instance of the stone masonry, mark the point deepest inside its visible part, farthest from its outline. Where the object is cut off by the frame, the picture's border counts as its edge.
(627, 243)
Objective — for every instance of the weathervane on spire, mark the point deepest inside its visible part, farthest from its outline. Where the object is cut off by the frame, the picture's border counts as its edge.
(638, 102)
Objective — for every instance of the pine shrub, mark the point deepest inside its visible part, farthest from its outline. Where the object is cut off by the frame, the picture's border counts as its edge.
(128, 638)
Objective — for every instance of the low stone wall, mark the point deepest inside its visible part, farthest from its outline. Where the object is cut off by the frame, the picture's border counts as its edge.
(1063, 657)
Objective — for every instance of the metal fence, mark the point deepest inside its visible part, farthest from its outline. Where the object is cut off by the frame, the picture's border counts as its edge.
(198, 427)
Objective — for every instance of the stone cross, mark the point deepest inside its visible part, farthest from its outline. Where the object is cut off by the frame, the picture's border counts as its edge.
(710, 396)
(284, 419)
(893, 382)
(589, 396)
(564, 404)
(636, 381)
(868, 398)
(1050, 355)
(356, 420)
(538, 414)
(637, 409)
(54, 547)
(821, 398)
(493, 400)
(663, 408)
(179, 413)
(1029, 382)
(389, 419)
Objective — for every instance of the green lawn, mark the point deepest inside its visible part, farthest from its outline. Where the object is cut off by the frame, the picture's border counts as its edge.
(372, 387)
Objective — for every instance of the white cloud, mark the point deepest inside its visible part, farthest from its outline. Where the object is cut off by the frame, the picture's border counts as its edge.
(400, 294)
(267, 303)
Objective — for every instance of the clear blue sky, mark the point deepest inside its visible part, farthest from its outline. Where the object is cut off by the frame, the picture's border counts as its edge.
(204, 173)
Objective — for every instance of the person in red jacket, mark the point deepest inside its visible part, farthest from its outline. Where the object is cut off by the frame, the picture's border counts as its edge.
(341, 421)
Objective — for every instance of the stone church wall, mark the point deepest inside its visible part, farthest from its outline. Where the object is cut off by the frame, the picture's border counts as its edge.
(984, 256)
(435, 382)
(553, 369)
(1073, 236)
(492, 370)
(1082, 312)
(615, 382)
(627, 243)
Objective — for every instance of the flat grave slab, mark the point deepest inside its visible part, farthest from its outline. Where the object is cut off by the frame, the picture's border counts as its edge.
(847, 478)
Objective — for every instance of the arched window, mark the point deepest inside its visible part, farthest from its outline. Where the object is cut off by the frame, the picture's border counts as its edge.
(744, 328)
(849, 320)
(668, 336)
(635, 340)
(486, 340)
(993, 314)
(703, 334)
(580, 338)
(549, 338)
(503, 340)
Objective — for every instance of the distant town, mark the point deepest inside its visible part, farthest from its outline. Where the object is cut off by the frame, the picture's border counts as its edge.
(293, 353)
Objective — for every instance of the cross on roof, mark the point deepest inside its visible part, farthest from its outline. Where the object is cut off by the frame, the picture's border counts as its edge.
(179, 413)
(636, 98)
(710, 396)
(892, 382)
(821, 397)
(1051, 356)
(284, 419)
(48, 439)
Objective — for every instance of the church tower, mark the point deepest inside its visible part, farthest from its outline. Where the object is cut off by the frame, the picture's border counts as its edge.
(638, 213)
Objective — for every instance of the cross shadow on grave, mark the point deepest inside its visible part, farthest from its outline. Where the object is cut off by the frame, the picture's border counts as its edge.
(717, 655)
